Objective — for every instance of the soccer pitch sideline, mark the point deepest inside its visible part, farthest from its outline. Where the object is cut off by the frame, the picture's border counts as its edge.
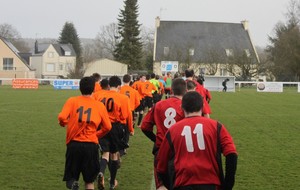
(265, 128)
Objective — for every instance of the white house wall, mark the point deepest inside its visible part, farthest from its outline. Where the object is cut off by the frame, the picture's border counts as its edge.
(106, 67)
(20, 70)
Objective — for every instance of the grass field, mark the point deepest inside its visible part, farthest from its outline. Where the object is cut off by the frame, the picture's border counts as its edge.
(265, 128)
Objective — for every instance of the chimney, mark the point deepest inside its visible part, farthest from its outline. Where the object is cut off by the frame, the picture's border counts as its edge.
(36, 47)
(245, 24)
(157, 22)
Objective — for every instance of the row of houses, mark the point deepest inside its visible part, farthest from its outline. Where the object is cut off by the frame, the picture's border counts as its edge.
(195, 45)
(49, 61)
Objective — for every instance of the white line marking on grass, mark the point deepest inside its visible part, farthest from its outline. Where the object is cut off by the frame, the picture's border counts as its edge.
(153, 187)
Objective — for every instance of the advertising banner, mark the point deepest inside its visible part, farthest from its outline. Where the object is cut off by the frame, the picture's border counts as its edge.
(269, 87)
(66, 84)
(169, 66)
(25, 83)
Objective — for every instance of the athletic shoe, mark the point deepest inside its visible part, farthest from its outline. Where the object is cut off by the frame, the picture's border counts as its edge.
(100, 181)
(75, 185)
(113, 186)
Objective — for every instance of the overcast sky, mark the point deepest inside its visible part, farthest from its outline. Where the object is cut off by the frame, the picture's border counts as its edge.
(45, 19)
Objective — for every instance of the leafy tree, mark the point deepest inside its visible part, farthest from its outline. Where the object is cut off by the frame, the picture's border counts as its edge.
(284, 50)
(69, 35)
(129, 48)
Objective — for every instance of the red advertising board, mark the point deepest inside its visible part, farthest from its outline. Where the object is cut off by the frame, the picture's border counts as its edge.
(25, 83)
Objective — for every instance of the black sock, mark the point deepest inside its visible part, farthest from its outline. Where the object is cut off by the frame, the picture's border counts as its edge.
(103, 164)
(113, 171)
(140, 118)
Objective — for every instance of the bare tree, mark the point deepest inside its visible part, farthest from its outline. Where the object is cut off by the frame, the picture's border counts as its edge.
(9, 32)
(106, 40)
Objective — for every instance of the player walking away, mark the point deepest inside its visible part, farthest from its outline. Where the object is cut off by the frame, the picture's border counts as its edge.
(164, 114)
(146, 88)
(168, 81)
(155, 93)
(131, 93)
(200, 80)
(97, 78)
(83, 115)
(189, 150)
(189, 74)
(118, 108)
(224, 84)
(190, 85)
(162, 87)
(137, 85)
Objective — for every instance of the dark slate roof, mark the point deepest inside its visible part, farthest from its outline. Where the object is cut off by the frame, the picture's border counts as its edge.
(203, 37)
(60, 49)
(16, 51)
(25, 57)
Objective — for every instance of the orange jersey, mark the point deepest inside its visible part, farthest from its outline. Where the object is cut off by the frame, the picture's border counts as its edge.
(133, 96)
(136, 84)
(97, 87)
(146, 88)
(117, 106)
(83, 115)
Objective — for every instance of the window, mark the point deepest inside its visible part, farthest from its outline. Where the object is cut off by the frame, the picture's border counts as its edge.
(8, 64)
(50, 54)
(67, 53)
(229, 52)
(223, 72)
(247, 52)
(61, 67)
(202, 71)
(50, 67)
(166, 51)
(191, 52)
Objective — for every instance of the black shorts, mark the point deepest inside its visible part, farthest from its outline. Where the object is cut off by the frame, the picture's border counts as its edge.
(156, 97)
(148, 102)
(82, 157)
(115, 139)
(141, 107)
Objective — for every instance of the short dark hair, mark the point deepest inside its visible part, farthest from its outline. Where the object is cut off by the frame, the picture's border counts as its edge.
(104, 84)
(152, 75)
(114, 81)
(179, 87)
(148, 77)
(87, 85)
(189, 73)
(96, 76)
(126, 78)
(190, 85)
(192, 102)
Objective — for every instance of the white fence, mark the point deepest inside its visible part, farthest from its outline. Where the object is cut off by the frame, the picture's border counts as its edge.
(232, 86)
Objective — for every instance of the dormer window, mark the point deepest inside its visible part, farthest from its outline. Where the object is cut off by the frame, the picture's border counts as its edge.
(247, 52)
(166, 51)
(67, 53)
(191, 51)
(229, 52)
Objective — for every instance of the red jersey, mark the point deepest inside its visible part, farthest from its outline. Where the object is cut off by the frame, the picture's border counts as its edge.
(202, 91)
(193, 143)
(83, 115)
(117, 106)
(164, 114)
